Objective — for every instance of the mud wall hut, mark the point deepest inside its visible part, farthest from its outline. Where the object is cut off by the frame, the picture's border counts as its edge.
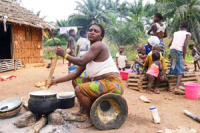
(20, 34)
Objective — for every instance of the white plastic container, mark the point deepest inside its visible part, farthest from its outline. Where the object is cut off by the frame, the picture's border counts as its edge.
(155, 115)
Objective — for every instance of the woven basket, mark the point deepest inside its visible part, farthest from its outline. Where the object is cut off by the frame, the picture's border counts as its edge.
(11, 113)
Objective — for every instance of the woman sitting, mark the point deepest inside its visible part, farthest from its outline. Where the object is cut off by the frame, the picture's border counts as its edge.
(103, 75)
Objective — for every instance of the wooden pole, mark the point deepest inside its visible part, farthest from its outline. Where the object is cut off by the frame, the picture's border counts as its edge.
(13, 48)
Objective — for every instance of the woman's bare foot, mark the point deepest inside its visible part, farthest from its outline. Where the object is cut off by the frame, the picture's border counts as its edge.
(80, 113)
(86, 124)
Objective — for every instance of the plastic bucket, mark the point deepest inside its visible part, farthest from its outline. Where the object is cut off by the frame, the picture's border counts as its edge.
(124, 74)
(72, 68)
(192, 90)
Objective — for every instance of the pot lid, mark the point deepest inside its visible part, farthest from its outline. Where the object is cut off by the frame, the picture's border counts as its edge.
(69, 94)
(10, 104)
(42, 93)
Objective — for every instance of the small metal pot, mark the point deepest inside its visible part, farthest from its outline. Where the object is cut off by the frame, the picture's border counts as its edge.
(42, 102)
(66, 100)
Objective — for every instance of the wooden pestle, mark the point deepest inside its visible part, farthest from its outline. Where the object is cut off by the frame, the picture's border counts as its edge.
(52, 70)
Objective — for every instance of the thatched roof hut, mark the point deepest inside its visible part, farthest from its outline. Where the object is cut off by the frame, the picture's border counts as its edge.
(20, 34)
(18, 15)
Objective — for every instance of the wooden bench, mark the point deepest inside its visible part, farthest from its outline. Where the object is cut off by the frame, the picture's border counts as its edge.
(140, 82)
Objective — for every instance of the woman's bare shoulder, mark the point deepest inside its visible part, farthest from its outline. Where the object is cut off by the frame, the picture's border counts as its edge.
(99, 44)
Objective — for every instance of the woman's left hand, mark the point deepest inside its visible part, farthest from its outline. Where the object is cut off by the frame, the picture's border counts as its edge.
(60, 52)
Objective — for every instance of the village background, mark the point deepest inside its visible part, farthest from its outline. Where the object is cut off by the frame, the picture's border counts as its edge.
(126, 23)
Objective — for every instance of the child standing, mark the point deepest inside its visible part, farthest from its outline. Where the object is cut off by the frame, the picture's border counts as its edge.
(141, 56)
(121, 59)
(178, 48)
(196, 56)
(156, 72)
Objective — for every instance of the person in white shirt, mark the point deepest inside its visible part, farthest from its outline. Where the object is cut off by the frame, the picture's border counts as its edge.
(83, 44)
(178, 48)
(121, 59)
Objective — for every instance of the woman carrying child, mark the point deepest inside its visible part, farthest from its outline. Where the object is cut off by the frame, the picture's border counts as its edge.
(196, 56)
(158, 29)
(155, 72)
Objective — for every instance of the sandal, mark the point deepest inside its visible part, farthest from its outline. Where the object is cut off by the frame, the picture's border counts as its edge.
(179, 92)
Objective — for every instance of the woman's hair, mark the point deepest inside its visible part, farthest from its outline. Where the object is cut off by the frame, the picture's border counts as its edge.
(102, 29)
(184, 24)
(156, 56)
(158, 15)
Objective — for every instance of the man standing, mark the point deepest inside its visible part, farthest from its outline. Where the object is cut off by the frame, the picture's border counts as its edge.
(71, 43)
(83, 44)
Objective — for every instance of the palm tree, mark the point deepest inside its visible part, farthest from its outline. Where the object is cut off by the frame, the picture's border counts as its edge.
(61, 23)
(110, 5)
(89, 11)
(180, 10)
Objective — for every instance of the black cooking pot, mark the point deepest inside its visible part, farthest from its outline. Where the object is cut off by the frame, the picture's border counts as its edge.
(66, 100)
(42, 102)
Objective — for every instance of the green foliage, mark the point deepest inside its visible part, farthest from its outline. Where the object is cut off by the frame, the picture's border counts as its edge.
(53, 42)
(50, 51)
(89, 11)
(126, 23)
(62, 23)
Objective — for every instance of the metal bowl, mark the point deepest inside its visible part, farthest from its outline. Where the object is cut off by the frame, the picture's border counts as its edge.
(10, 104)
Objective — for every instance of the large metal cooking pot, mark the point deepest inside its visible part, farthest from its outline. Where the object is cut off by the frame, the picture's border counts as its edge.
(41, 102)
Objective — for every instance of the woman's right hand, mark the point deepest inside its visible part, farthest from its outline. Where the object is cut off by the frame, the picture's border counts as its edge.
(60, 52)
(53, 82)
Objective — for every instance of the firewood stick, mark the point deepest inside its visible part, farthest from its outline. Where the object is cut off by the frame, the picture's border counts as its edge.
(37, 126)
(28, 119)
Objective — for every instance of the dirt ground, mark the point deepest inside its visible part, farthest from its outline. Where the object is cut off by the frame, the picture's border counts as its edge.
(139, 118)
